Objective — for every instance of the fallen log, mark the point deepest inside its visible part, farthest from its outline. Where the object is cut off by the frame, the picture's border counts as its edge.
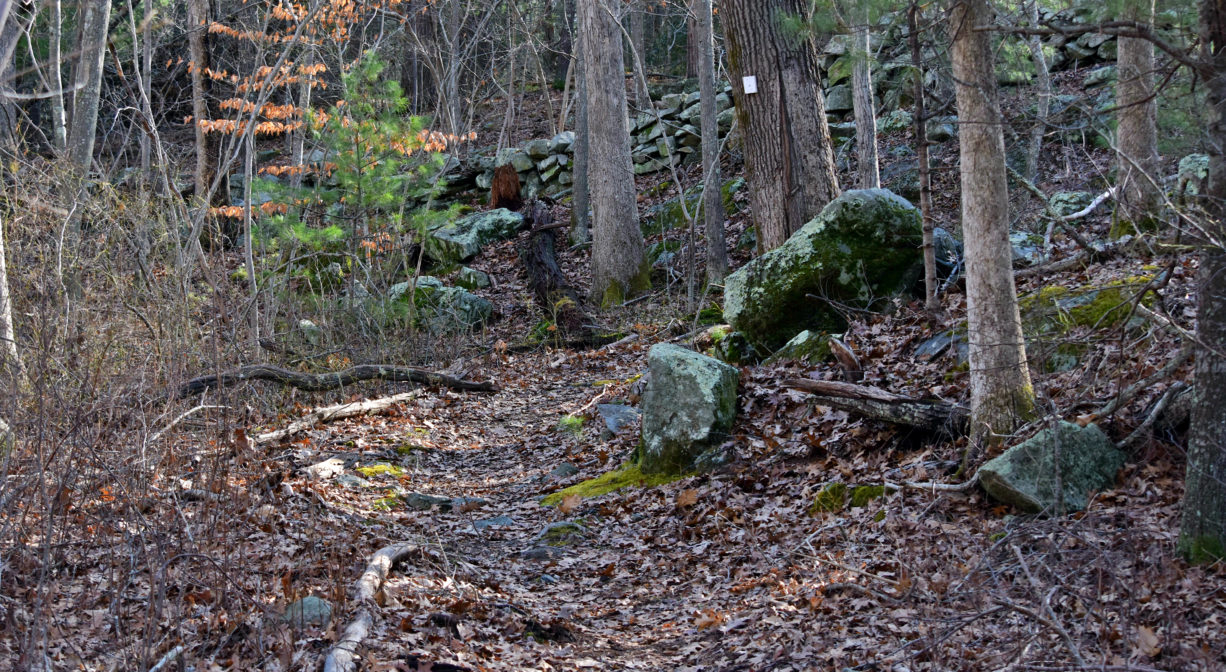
(873, 402)
(337, 412)
(344, 654)
(550, 289)
(317, 382)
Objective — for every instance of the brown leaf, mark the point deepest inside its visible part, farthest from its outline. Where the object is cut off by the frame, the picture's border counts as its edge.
(686, 498)
(1147, 641)
(569, 503)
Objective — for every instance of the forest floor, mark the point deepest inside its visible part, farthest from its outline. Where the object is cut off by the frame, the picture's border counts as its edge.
(731, 570)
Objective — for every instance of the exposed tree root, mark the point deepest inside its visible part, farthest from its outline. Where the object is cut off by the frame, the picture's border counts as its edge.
(316, 382)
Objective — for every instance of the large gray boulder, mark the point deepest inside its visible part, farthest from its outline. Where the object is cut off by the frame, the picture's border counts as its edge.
(688, 408)
(1025, 475)
(462, 239)
(863, 248)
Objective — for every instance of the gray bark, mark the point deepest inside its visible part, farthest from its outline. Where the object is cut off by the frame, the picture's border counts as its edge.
(789, 162)
(580, 230)
(1202, 534)
(59, 118)
(1137, 116)
(1043, 82)
(88, 80)
(862, 106)
(931, 303)
(1001, 394)
(713, 203)
(618, 266)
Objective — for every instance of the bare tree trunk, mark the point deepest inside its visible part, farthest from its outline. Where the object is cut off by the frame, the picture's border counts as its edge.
(862, 105)
(207, 146)
(92, 49)
(1137, 115)
(145, 68)
(8, 335)
(789, 161)
(712, 197)
(1043, 81)
(1001, 394)
(634, 10)
(581, 203)
(1202, 533)
(931, 303)
(619, 268)
(693, 50)
(59, 118)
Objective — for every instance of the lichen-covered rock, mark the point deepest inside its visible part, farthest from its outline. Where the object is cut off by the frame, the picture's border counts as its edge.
(862, 249)
(688, 408)
(462, 239)
(471, 278)
(1025, 475)
(670, 215)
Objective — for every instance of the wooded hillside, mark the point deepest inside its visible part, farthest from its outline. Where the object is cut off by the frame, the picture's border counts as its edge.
(612, 334)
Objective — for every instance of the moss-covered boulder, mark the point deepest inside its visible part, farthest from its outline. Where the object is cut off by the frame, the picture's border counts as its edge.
(442, 309)
(1029, 477)
(688, 408)
(1056, 309)
(462, 239)
(863, 248)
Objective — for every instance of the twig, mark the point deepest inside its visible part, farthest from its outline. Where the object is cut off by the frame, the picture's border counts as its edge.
(1050, 621)
(1164, 321)
(157, 435)
(1144, 384)
(1144, 428)
(933, 486)
(168, 657)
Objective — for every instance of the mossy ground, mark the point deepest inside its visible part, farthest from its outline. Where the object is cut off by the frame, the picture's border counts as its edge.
(832, 498)
(628, 475)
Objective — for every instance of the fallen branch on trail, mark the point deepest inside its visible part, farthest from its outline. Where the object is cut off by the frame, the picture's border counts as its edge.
(317, 382)
(879, 404)
(337, 412)
(343, 657)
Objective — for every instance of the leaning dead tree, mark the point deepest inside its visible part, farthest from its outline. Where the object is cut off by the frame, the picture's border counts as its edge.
(318, 382)
(550, 288)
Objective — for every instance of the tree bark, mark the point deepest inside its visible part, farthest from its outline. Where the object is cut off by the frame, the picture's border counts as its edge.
(1001, 394)
(878, 404)
(553, 293)
(634, 16)
(580, 231)
(712, 199)
(1202, 534)
(619, 268)
(208, 146)
(1137, 117)
(931, 303)
(1043, 81)
(789, 162)
(319, 382)
(91, 50)
(862, 105)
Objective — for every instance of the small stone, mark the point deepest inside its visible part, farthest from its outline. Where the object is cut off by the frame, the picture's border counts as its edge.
(617, 416)
(322, 471)
(496, 521)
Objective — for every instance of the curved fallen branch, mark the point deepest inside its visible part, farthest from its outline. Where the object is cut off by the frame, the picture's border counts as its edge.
(317, 382)
(874, 402)
(343, 657)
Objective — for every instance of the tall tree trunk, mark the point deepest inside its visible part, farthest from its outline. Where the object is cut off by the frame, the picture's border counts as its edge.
(59, 118)
(862, 105)
(566, 16)
(789, 162)
(207, 145)
(1202, 534)
(712, 199)
(619, 268)
(8, 335)
(1137, 116)
(10, 32)
(931, 303)
(580, 231)
(693, 49)
(1043, 82)
(634, 17)
(88, 79)
(1001, 395)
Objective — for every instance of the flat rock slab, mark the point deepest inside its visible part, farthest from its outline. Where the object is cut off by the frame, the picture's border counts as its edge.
(1025, 475)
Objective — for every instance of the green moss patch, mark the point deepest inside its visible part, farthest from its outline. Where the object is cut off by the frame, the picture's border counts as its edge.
(380, 469)
(628, 475)
(1203, 549)
(832, 498)
(861, 495)
(1058, 309)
